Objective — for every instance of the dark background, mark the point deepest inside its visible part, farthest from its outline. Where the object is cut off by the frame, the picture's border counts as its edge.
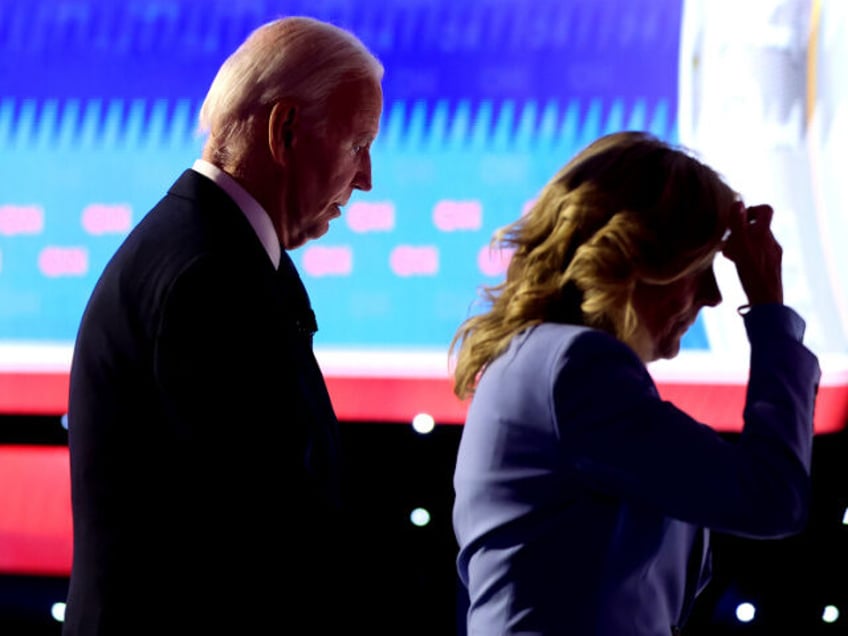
(413, 582)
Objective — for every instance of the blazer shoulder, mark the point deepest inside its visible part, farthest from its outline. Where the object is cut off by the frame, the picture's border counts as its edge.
(575, 343)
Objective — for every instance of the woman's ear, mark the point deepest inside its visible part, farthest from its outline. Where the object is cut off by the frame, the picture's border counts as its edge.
(281, 129)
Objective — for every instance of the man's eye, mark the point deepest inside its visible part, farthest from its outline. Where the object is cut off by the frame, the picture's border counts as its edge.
(357, 148)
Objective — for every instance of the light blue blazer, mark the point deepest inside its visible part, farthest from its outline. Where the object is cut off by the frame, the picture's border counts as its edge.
(583, 500)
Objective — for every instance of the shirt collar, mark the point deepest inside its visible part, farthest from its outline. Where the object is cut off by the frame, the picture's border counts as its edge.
(255, 213)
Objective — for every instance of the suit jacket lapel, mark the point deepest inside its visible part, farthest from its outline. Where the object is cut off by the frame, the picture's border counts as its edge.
(322, 453)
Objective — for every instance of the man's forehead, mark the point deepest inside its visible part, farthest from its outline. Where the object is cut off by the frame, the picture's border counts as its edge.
(361, 102)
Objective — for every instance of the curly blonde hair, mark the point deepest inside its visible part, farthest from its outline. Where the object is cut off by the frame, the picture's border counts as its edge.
(628, 208)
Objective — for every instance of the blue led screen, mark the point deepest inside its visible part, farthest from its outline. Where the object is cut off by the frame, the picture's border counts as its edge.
(484, 102)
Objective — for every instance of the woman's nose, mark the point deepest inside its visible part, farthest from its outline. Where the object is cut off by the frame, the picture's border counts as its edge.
(709, 291)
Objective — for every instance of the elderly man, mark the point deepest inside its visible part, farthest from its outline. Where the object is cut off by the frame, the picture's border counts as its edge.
(204, 447)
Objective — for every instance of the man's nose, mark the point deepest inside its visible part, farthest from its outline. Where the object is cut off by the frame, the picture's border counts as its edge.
(362, 180)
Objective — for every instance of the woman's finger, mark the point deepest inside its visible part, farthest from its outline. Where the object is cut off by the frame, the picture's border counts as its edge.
(760, 216)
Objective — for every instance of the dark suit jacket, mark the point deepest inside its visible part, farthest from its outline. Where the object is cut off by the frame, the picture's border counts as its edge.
(203, 442)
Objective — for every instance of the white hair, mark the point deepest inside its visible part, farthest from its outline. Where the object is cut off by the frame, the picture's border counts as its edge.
(297, 58)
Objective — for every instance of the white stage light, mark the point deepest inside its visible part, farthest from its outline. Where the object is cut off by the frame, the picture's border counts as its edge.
(423, 423)
(745, 612)
(420, 517)
(830, 614)
(57, 611)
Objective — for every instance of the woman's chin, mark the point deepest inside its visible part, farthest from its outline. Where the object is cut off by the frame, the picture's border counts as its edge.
(669, 349)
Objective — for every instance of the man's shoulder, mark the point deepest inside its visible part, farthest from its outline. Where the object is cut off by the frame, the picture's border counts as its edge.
(194, 215)
(195, 186)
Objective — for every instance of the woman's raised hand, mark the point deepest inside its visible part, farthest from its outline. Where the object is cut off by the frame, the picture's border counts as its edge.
(756, 253)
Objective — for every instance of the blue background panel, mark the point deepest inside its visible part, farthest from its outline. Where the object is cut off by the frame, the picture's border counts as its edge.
(484, 102)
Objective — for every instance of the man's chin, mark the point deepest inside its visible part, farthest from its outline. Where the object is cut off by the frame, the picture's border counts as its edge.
(318, 230)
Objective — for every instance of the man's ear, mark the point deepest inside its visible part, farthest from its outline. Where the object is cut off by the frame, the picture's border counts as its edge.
(281, 129)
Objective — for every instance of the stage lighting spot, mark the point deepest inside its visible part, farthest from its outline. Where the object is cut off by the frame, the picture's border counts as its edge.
(420, 517)
(745, 612)
(830, 614)
(845, 518)
(58, 612)
(423, 423)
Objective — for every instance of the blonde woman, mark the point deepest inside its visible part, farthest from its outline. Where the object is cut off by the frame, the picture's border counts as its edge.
(583, 500)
